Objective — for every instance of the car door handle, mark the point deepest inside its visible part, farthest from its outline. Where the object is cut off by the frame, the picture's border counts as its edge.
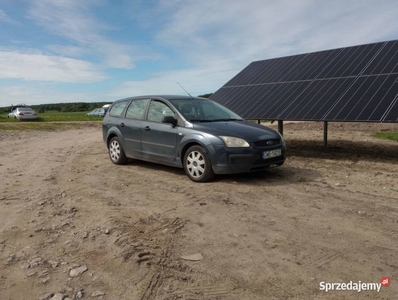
(147, 128)
(122, 125)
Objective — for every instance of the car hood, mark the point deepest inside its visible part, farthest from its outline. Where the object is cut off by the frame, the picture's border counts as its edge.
(249, 131)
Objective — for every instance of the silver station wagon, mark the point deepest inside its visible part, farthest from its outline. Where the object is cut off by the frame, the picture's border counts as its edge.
(193, 133)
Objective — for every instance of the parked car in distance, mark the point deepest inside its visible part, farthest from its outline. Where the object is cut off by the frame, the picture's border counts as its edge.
(106, 107)
(98, 112)
(193, 133)
(23, 113)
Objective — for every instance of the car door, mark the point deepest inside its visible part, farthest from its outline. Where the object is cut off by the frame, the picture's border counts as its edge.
(131, 129)
(158, 140)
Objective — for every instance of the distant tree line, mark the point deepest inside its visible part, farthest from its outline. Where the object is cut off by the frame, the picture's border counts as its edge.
(206, 95)
(61, 107)
(70, 107)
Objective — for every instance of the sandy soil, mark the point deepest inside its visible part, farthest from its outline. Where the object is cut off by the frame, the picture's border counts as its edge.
(327, 215)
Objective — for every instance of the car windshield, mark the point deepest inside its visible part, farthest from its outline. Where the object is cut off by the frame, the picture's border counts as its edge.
(203, 110)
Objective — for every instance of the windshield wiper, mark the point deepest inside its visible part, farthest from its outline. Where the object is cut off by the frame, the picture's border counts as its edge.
(222, 120)
(214, 120)
(200, 120)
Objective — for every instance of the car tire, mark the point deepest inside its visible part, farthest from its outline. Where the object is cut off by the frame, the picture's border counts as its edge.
(197, 164)
(116, 152)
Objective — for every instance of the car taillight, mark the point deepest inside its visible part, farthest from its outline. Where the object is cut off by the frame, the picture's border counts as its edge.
(21, 114)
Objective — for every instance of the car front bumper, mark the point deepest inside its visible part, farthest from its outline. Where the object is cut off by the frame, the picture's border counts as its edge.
(241, 160)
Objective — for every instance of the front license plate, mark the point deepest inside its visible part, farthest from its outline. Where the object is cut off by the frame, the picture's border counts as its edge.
(272, 153)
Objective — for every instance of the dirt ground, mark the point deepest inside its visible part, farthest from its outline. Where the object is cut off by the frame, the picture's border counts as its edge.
(326, 215)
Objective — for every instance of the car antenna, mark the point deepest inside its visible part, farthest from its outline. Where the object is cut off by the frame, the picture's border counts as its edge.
(185, 90)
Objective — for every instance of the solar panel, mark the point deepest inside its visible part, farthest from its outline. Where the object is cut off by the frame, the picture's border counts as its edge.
(358, 83)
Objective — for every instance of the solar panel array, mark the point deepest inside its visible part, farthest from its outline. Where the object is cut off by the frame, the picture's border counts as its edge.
(348, 84)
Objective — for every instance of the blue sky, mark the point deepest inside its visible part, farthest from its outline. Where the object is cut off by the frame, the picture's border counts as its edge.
(55, 51)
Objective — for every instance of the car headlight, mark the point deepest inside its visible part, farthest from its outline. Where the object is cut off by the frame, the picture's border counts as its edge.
(234, 142)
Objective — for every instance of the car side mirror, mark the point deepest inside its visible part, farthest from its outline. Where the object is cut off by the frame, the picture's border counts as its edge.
(170, 120)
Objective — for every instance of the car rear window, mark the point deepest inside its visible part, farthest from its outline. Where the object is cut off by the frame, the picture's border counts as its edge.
(25, 109)
(118, 108)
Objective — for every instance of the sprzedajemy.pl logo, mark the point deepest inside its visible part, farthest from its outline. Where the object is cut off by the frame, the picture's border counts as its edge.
(354, 286)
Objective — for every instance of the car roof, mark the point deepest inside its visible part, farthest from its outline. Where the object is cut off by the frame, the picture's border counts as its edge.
(165, 97)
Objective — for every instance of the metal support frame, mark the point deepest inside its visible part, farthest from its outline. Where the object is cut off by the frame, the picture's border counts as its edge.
(325, 134)
(280, 127)
(258, 121)
(325, 131)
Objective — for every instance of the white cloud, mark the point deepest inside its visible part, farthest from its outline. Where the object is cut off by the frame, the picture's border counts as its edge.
(195, 81)
(42, 93)
(34, 66)
(75, 21)
(67, 50)
(206, 32)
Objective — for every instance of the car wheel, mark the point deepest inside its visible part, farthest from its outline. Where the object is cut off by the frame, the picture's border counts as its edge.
(116, 152)
(197, 164)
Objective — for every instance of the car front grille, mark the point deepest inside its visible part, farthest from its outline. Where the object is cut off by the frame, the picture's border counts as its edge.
(267, 143)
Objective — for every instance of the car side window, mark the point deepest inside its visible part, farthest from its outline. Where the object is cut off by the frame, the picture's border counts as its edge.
(117, 109)
(157, 110)
(136, 110)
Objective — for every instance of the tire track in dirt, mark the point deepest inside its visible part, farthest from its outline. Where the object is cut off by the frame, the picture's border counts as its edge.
(147, 242)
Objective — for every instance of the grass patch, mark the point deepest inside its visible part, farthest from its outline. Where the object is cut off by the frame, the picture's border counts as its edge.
(42, 126)
(387, 135)
(302, 179)
(56, 116)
